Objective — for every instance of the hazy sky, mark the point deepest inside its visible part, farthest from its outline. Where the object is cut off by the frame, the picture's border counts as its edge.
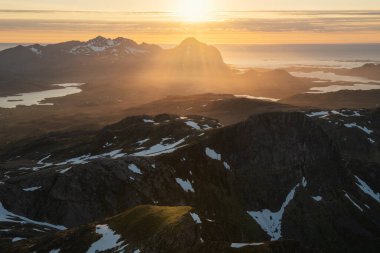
(170, 5)
(213, 21)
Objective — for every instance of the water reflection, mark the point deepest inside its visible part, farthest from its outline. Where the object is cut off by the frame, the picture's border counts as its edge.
(37, 98)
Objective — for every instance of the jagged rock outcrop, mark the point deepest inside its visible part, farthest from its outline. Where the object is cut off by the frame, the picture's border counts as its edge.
(275, 176)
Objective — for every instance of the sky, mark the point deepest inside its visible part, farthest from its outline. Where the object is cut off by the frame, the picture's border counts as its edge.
(213, 21)
(171, 5)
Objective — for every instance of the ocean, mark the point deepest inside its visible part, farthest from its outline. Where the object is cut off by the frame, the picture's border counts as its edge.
(7, 45)
(321, 55)
(279, 56)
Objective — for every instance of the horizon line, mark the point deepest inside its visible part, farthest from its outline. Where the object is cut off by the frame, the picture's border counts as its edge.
(167, 44)
(163, 11)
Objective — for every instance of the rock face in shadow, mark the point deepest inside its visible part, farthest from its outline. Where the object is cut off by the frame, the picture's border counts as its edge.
(276, 176)
(271, 153)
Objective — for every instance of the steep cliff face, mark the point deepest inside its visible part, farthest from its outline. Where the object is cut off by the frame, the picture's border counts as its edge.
(271, 153)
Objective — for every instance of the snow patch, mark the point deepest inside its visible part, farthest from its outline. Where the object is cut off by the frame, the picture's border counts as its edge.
(355, 114)
(84, 159)
(367, 190)
(227, 166)
(32, 189)
(196, 218)
(241, 245)
(372, 141)
(364, 129)
(64, 170)
(212, 154)
(134, 169)
(160, 148)
(16, 239)
(216, 156)
(108, 144)
(193, 125)
(353, 202)
(317, 198)
(109, 240)
(6, 216)
(186, 185)
(142, 141)
(270, 221)
(304, 182)
(36, 51)
(318, 114)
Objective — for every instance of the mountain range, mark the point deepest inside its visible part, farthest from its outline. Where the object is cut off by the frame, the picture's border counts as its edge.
(305, 181)
(173, 150)
(192, 67)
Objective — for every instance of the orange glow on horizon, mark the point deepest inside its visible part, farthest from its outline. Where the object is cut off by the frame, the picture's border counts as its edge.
(210, 38)
(192, 19)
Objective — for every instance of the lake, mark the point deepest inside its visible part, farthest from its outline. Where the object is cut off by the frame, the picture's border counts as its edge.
(37, 98)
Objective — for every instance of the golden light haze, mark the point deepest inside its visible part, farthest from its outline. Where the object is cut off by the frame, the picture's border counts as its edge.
(211, 38)
(215, 22)
(172, 5)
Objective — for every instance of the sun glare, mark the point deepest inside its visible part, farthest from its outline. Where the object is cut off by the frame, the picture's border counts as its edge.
(194, 10)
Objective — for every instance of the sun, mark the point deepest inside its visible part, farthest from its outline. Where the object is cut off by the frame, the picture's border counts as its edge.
(194, 10)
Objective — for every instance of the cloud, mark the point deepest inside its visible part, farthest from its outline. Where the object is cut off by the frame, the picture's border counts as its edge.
(157, 22)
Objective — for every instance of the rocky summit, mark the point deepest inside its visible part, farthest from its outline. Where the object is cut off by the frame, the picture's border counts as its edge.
(276, 182)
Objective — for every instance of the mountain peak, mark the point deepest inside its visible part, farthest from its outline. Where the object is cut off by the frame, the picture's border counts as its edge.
(98, 39)
(191, 41)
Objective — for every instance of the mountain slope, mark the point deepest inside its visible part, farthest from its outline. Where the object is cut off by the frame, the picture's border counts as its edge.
(368, 70)
(150, 228)
(333, 100)
(227, 109)
(281, 176)
(121, 64)
(98, 59)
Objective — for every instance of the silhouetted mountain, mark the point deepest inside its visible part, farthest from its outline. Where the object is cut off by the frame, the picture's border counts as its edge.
(195, 56)
(189, 68)
(97, 59)
(271, 83)
(340, 99)
(368, 70)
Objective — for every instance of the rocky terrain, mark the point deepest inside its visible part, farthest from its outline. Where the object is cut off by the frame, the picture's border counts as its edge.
(302, 181)
(173, 150)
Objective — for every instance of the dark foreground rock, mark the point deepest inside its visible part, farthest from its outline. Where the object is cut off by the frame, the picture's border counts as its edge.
(275, 176)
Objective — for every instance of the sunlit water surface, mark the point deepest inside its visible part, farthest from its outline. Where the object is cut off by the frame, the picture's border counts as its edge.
(37, 98)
